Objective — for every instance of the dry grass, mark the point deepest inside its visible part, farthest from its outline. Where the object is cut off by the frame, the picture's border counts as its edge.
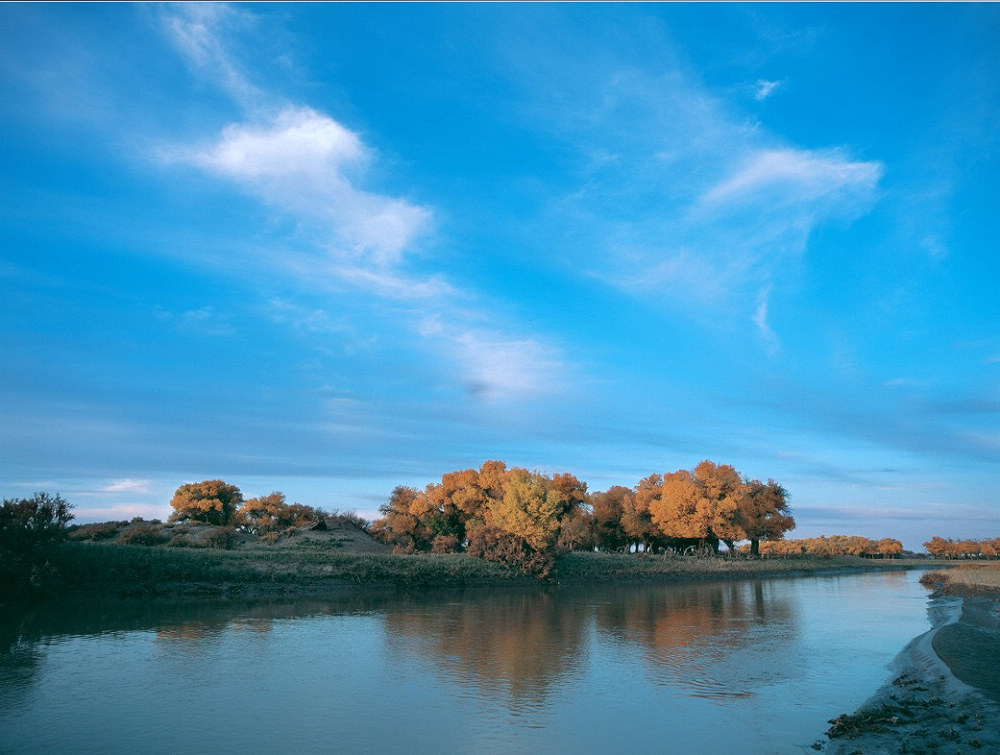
(110, 568)
(132, 570)
(622, 567)
(977, 576)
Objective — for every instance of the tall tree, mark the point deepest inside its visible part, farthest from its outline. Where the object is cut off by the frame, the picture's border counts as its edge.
(609, 508)
(763, 513)
(722, 489)
(700, 504)
(576, 531)
(676, 506)
(398, 525)
(212, 501)
(637, 521)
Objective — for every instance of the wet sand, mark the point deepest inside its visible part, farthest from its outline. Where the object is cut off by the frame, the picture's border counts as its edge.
(944, 696)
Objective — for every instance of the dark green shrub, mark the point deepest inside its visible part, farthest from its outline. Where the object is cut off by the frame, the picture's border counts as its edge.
(96, 531)
(348, 517)
(30, 529)
(143, 534)
(221, 538)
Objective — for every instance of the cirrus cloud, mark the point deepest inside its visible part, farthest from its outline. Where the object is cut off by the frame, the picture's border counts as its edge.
(799, 176)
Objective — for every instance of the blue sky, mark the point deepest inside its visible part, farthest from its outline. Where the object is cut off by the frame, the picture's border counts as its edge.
(330, 249)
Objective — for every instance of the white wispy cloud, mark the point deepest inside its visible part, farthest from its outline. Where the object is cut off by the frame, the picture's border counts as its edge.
(726, 241)
(199, 31)
(764, 88)
(298, 142)
(702, 207)
(312, 169)
(393, 285)
(795, 176)
(760, 320)
(297, 160)
(305, 163)
(203, 321)
(128, 485)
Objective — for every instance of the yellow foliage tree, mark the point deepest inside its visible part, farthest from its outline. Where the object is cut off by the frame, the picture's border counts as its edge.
(211, 501)
(676, 506)
(700, 504)
(530, 508)
(763, 513)
(636, 519)
(722, 488)
(270, 513)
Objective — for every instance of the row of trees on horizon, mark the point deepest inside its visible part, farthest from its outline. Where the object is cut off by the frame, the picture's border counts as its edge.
(708, 504)
(514, 516)
(834, 545)
(524, 517)
(939, 547)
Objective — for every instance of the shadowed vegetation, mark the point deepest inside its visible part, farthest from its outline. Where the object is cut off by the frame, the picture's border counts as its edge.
(30, 530)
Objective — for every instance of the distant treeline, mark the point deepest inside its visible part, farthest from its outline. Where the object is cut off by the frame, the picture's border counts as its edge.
(941, 548)
(834, 545)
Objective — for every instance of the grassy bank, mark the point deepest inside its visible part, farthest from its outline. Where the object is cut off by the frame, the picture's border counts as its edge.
(980, 577)
(125, 569)
(115, 569)
(621, 567)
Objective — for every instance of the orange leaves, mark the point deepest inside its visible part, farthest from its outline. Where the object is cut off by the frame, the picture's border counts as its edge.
(679, 510)
(526, 505)
(709, 503)
(270, 513)
(834, 545)
(702, 503)
(941, 548)
(210, 501)
(763, 512)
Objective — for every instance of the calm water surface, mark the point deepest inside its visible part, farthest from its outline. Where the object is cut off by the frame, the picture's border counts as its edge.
(755, 666)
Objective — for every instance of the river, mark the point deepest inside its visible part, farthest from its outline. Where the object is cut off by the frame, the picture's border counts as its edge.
(749, 666)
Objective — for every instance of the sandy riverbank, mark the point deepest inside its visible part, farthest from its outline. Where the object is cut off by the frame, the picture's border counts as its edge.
(944, 696)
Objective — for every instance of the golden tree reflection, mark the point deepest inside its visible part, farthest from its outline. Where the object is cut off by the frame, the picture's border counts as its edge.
(522, 644)
(517, 643)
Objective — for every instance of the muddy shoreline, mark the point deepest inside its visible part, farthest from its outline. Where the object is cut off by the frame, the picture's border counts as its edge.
(943, 696)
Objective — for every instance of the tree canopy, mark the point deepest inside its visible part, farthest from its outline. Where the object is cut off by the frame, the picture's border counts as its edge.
(763, 513)
(212, 502)
(271, 513)
(478, 509)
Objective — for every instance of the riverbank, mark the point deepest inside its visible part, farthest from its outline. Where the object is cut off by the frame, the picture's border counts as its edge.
(315, 568)
(945, 695)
